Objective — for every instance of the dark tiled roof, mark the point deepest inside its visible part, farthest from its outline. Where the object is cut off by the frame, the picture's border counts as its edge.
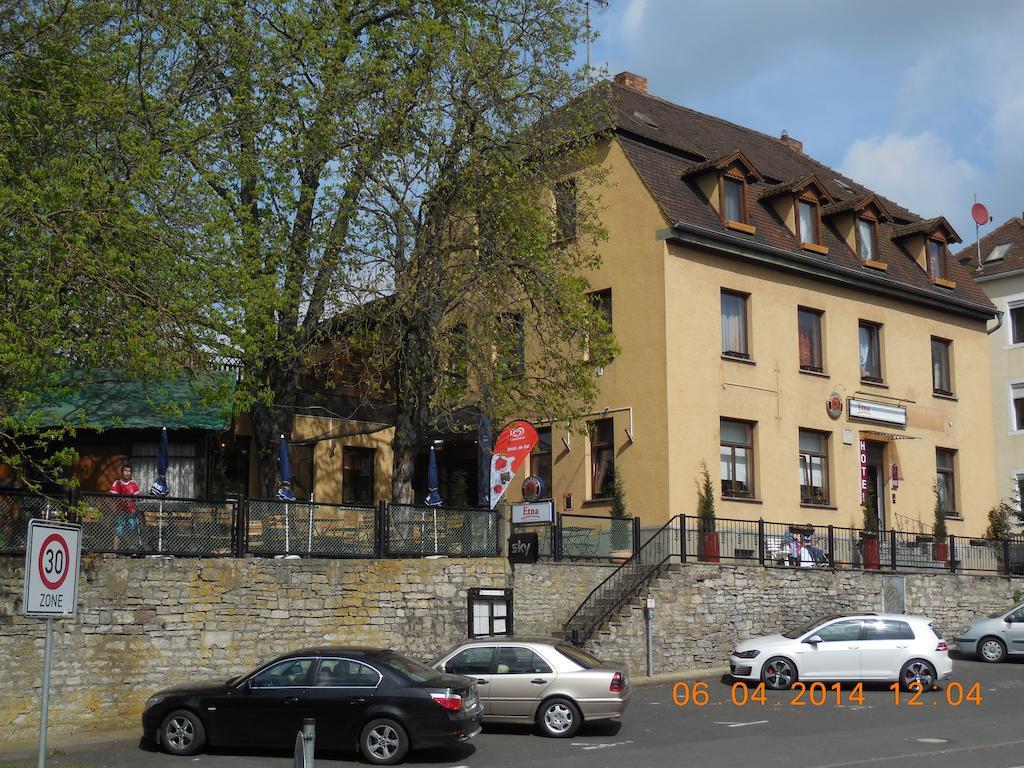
(671, 140)
(793, 186)
(723, 161)
(926, 228)
(1009, 233)
(855, 204)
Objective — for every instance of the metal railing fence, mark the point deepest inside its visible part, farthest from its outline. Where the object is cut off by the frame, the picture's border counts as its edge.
(623, 583)
(152, 525)
(802, 545)
(235, 527)
(417, 531)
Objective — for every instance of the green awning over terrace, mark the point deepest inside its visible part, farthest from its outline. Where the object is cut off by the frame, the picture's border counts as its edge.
(107, 400)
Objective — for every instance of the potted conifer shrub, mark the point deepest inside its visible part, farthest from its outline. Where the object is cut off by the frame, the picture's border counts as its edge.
(707, 537)
(869, 536)
(940, 546)
(622, 528)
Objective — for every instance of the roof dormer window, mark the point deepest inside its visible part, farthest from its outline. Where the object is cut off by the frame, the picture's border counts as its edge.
(867, 238)
(808, 221)
(734, 199)
(724, 184)
(937, 256)
(927, 242)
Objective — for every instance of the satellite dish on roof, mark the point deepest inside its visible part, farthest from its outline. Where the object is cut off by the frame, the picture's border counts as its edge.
(980, 214)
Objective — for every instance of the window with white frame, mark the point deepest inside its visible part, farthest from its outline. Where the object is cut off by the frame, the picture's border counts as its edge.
(1015, 326)
(1017, 406)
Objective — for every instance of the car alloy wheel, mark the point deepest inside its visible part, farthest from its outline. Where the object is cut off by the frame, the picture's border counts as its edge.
(779, 674)
(559, 718)
(182, 733)
(917, 671)
(992, 650)
(384, 742)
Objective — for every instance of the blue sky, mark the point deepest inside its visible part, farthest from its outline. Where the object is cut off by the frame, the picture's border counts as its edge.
(921, 101)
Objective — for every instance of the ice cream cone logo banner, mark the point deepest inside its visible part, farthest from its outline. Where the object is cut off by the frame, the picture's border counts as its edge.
(510, 451)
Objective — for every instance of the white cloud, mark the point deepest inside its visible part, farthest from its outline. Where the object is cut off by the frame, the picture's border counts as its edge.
(920, 172)
(633, 18)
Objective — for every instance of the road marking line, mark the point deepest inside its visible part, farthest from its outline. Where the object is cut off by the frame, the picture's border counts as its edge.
(739, 725)
(932, 753)
(600, 745)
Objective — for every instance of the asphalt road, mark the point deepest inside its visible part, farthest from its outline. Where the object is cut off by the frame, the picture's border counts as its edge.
(656, 732)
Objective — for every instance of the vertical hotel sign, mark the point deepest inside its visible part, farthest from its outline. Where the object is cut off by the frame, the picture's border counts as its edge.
(863, 470)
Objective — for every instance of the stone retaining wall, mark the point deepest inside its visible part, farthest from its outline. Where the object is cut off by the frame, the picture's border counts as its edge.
(702, 611)
(144, 624)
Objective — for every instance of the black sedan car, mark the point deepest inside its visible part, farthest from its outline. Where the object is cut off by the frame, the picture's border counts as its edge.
(379, 702)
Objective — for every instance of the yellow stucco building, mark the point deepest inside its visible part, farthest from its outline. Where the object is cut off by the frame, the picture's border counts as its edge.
(810, 341)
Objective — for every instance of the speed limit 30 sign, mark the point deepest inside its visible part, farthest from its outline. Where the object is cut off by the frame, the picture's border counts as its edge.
(51, 569)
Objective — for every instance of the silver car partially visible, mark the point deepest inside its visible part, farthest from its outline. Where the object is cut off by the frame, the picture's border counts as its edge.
(995, 637)
(550, 683)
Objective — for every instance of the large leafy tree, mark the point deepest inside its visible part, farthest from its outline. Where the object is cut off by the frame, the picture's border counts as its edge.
(385, 165)
(369, 177)
(89, 279)
(481, 223)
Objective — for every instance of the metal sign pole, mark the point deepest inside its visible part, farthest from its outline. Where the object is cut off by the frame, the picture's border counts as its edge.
(47, 652)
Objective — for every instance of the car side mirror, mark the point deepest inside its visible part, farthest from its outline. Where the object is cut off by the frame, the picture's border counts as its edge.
(813, 639)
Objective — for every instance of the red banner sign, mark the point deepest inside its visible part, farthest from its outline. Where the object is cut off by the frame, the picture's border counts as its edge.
(510, 451)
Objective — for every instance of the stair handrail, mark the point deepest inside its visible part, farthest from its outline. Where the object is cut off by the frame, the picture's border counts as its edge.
(633, 559)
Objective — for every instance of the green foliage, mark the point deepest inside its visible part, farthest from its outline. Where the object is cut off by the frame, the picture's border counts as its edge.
(621, 526)
(939, 525)
(1000, 520)
(869, 511)
(298, 183)
(705, 500)
(1018, 595)
(88, 277)
(618, 494)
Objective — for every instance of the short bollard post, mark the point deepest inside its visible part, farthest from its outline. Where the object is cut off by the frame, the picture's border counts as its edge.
(305, 744)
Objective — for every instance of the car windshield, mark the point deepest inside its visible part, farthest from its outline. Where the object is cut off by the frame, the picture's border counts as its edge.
(999, 614)
(437, 662)
(803, 629)
(577, 656)
(414, 670)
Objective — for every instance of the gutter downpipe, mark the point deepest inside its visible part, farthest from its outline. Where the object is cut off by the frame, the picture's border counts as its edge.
(999, 323)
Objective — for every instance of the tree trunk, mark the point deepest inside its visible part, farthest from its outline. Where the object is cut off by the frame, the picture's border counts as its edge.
(413, 384)
(405, 447)
(269, 422)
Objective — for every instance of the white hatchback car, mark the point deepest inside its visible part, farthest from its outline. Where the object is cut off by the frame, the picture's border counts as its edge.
(862, 647)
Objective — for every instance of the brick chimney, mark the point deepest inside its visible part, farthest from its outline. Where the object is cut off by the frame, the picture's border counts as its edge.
(635, 82)
(790, 142)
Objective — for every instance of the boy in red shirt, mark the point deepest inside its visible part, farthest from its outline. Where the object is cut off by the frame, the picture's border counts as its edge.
(126, 520)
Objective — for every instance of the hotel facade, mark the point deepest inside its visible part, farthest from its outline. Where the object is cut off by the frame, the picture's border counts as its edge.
(815, 345)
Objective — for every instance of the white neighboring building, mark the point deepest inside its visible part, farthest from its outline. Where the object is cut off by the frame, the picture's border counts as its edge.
(1002, 277)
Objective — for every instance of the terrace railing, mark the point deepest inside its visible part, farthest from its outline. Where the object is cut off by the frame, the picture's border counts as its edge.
(760, 542)
(235, 527)
(419, 531)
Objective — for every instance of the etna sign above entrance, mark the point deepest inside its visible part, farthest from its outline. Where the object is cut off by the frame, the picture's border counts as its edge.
(884, 413)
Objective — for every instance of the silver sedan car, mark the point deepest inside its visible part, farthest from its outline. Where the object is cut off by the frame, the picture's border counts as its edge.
(994, 638)
(553, 684)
